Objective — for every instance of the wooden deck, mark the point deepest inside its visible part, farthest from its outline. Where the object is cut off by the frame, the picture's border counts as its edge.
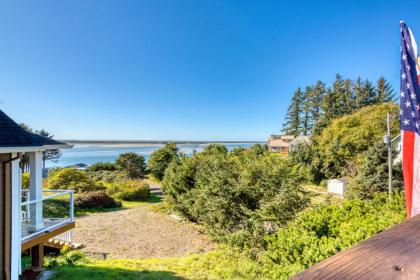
(392, 254)
(44, 236)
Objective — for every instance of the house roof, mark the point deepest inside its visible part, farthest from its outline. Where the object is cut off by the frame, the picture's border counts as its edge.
(14, 136)
(282, 136)
(300, 139)
(278, 143)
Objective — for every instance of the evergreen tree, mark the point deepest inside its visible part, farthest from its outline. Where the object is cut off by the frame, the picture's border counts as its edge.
(292, 125)
(384, 91)
(373, 174)
(318, 94)
(361, 96)
(328, 110)
(338, 98)
(348, 98)
(306, 110)
(370, 93)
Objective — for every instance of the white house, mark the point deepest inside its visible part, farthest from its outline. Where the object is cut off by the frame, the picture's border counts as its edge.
(23, 226)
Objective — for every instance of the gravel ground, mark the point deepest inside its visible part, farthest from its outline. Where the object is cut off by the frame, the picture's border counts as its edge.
(138, 233)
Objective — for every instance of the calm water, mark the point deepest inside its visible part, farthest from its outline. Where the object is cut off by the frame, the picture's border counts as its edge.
(89, 154)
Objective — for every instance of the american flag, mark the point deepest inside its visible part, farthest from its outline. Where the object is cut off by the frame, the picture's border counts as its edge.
(410, 120)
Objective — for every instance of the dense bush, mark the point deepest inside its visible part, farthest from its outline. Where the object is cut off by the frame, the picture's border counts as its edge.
(133, 164)
(238, 196)
(160, 160)
(102, 166)
(95, 200)
(130, 190)
(72, 179)
(326, 230)
(372, 176)
(105, 176)
(66, 257)
(306, 162)
(342, 144)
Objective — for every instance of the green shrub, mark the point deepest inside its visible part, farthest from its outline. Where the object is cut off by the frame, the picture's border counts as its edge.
(347, 138)
(133, 164)
(326, 230)
(66, 257)
(130, 190)
(160, 160)
(102, 166)
(71, 179)
(105, 176)
(234, 195)
(95, 200)
(372, 175)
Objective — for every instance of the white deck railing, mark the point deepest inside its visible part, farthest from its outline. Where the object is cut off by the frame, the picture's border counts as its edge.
(65, 198)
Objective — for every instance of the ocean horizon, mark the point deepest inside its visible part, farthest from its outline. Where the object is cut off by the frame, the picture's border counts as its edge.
(93, 153)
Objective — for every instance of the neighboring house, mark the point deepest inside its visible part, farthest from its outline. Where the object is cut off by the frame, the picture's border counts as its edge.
(301, 139)
(280, 143)
(23, 226)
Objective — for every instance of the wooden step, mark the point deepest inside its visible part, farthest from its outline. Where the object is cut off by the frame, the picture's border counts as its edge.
(59, 244)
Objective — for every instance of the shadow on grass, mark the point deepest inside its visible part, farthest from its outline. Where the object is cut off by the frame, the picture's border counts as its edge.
(101, 273)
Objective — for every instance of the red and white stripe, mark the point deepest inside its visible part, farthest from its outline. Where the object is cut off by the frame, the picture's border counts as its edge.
(411, 160)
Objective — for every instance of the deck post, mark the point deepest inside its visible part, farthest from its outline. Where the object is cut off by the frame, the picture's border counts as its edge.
(37, 256)
(35, 192)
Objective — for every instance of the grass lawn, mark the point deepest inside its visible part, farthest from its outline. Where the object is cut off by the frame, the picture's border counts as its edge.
(218, 264)
(320, 195)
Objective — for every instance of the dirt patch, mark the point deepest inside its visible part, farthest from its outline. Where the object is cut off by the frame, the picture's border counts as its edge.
(138, 233)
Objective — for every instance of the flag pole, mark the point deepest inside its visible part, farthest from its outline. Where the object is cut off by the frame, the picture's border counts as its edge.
(388, 124)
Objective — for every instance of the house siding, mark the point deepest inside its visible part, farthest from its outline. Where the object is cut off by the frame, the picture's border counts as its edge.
(5, 217)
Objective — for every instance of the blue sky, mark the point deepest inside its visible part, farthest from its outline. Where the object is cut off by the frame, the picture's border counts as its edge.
(201, 70)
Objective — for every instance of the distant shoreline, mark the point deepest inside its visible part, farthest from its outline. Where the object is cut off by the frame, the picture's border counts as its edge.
(151, 142)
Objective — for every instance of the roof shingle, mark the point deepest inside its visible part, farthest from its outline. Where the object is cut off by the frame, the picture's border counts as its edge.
(12, 135)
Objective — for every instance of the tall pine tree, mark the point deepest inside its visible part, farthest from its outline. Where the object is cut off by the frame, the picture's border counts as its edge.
(348, 98)
(292, 125)
(384, 91)
(318, 93)
(361, 96)
(306, 110)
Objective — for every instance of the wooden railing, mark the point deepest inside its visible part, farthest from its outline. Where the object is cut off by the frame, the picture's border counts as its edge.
(391, 254)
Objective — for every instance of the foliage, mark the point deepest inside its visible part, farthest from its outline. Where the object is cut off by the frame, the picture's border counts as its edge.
(373, 174)
(305, 161)
(160, 160)
(384, 91)
(51, 154)
(105, 176)
(313, 109)
(95, 200)
(234, 195)
(71, 179)
(346, 139)
(133, 164)
(326, 230)
(25, 180)
(102, 166)
(67, 257)
(293, 124)
(130, 190)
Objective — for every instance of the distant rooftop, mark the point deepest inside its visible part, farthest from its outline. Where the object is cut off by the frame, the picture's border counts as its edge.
(13, 135)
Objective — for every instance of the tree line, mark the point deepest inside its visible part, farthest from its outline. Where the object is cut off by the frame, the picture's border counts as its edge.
(313, 108)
